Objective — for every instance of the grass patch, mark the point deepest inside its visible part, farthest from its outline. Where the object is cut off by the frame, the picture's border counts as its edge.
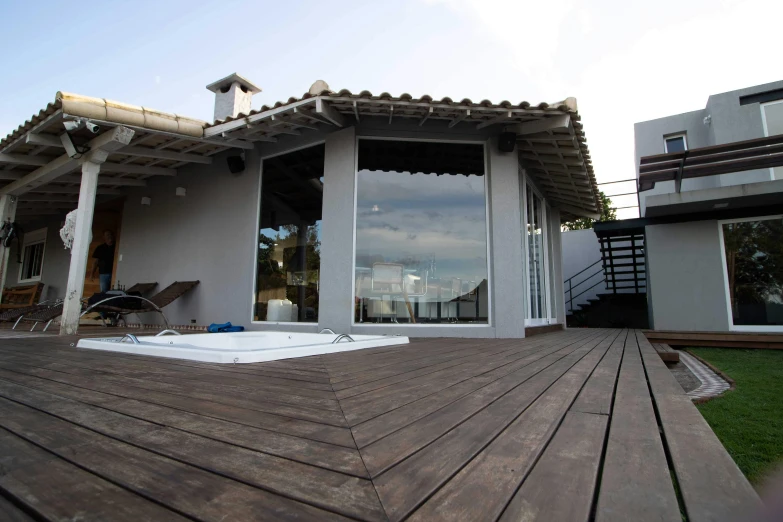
(748, 420)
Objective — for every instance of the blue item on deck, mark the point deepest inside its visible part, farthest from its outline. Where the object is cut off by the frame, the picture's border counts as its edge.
(224, 328)
(232, 329)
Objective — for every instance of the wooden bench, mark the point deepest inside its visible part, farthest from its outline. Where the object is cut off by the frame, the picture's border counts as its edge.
(21, 296)
(666, 353)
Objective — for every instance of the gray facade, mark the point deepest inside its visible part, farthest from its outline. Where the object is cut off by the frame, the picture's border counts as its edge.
(210, 234)
(686, 277)
(688, 287)
(723, 120)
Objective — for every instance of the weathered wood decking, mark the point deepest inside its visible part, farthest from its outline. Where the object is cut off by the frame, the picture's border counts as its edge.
(573, 425)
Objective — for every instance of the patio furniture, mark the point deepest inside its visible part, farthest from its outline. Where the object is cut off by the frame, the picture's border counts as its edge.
(154, 304)
(21, 296)
(15, 313)
(389, 279)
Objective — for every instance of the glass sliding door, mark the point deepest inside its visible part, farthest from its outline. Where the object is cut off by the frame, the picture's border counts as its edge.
(289, 237)
(753, 264)
(421, 233)
(538, 310)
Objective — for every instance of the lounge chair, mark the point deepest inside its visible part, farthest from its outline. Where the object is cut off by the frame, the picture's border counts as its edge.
(15, 313)
(153, 304)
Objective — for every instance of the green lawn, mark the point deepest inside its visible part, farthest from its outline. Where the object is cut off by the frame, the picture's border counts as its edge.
(749, 419)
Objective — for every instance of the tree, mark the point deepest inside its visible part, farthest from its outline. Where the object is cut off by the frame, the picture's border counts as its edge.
(583, 223)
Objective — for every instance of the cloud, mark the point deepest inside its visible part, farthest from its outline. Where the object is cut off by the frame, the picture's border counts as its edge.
(625, 62)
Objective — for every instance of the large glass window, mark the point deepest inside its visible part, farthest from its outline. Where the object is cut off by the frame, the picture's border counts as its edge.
(421, 233)
(754, 272)
(32, 256)
(289, 240)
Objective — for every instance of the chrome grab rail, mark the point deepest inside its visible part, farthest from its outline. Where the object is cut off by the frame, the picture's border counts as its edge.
(327, 330)
(341, 337)
(132, 338)
(167, 332)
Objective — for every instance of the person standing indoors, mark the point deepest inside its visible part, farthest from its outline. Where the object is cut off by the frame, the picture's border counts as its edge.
(104, 261)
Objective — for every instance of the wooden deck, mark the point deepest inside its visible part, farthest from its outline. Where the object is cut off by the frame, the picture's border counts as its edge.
(573, 425)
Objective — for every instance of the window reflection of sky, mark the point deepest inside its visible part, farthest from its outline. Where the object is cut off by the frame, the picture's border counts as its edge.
(425, 221)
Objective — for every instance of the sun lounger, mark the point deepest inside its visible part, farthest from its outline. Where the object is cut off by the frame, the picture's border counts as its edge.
(154, 304)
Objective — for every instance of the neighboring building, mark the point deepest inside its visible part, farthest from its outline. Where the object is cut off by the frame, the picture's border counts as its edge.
(371, 214)
(713, 244)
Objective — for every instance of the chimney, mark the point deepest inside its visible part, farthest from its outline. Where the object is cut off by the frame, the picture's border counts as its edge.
(232, 96)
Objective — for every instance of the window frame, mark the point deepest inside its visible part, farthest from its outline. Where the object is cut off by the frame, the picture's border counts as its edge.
(724, 270)
(487, 202)
(256, 230)
(668, 137)
(762, 106)
(548, 298)
(32, 238)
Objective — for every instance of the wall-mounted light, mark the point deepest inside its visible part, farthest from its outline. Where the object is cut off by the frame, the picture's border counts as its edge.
(146, 201)
(181, 192)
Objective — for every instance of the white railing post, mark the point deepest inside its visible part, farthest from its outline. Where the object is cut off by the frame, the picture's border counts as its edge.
(91, 166)
(7, 212)
(72, 306)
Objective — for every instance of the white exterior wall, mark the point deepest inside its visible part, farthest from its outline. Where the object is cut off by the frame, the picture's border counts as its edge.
(580, 250)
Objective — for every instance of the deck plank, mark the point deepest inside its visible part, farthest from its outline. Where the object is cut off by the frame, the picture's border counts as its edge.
(486, 483)
(296, 427)
(555, 427)
(12, 513)
(329, 456)
(453, 444)
(57, 490)
(190, 490)
(711, 484)
(635, 484)
(392, 421)
(568, 469)
(598, 393)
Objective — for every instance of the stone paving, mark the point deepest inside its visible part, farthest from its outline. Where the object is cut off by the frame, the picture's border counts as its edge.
(712, 384)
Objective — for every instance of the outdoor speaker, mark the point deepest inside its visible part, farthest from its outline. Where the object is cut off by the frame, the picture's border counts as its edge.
(506, 141)
(235, 164)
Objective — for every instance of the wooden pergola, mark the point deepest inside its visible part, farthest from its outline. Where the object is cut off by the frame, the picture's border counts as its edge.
(48, 170)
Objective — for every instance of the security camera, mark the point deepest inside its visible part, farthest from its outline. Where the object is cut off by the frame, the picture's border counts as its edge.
(72, 125)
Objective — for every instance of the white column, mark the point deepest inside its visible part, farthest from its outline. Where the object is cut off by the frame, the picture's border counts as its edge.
(7, 211)
(80, 250)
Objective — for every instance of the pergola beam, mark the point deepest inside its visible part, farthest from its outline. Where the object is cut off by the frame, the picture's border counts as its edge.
(23, 159)
(497, 119)
(51, 189)
(51, 170)
(106, 180)
(11, 175)
(147, 152)
(465, 115)
(130, 150)
(546, 124)
(46, 140)
(138, 169)
(324, 109)
(576, 210)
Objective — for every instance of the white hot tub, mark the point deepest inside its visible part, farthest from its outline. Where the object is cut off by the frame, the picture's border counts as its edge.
(244, 347)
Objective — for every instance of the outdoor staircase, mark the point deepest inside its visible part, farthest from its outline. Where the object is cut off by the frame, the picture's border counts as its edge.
(624, 276)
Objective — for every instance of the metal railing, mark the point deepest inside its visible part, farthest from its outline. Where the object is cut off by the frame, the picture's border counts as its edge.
(569, 283)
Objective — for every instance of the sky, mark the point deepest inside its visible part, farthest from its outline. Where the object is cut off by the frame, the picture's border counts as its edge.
(624, 61)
